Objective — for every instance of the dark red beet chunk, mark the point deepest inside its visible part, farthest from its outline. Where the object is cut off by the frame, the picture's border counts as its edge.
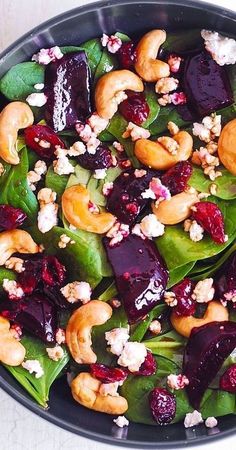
(205, 352)
(140, 273)
(108, 374)
(67, 87)
(210, 217)
(163, 405)
(186, 306)
(228, 380)
(135, 108)
(206, 84)
(102, 159)
(125, 200)
(176, 178)
(127, 55)
(43, 140)
(11, 218)
(148, 367)
(225, 278)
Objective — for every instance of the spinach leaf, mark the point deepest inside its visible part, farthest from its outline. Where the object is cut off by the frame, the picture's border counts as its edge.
(207, 270)
(154, 107)
(6, 273)
(184, 40)
(105, 136)
(109, 293)
(179, 273)
(139, 331)
(226, 184)
(217, 403)
(93, 51)
(56, 182)
(20, 79)
(116, 127)
(107, 63)
(170, 345)
(166, 114)
(123, 37)
(38, 388)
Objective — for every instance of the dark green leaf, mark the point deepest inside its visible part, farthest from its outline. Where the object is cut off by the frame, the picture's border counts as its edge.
(170, 345)
(154, 107)
(5, 273)
(141, 328)
(179, 273)
(216, 403)
(166, 114)
(117, 127)
(226, 184)
(183, 40)
(123, 36)
(56, 182)
(19, 81)
(107, 63)
(207, 270)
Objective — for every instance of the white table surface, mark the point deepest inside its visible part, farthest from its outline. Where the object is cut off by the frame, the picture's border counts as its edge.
(19, 428)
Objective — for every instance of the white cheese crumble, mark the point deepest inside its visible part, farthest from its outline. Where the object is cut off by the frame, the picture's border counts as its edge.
(77, 291)
(135, 132)
(107, 188)
(204, 291)
(121, 421)
(12, 288)
(211, 422)
(62, 165)
(157, 191)
(155, 327)
(166, 85)
(64, 241)
(16, 264)
(110, 389)
(192, 419)
(33, 366)
(47, 215)
(174, 63)
(132, 356)
(78, 148)
(39, 86)
(177, 381)
(149, 226)
(170, 299)
(117, 233)
(113, 43)
(116, 339)
(60, 336)
(195, 230)
(36, 99)
(209, 129)
(35, 175)
(47, 55)
(100, 174)
(139, 173)
(55, 353)
(118, 147)
(97, 123)
(221, 48)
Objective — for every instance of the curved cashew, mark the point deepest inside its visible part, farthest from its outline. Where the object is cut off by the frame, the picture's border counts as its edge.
(227, 146)
(15, 116)
(109, 92)
(15, 241)
(12, 351)
(215, 312)
(155, 155)
(147, 66)
(85, 390)
(78, 330)
(75, 207)
(175, 210)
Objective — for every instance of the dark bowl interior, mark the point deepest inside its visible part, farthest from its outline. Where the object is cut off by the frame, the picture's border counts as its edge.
(75, 27)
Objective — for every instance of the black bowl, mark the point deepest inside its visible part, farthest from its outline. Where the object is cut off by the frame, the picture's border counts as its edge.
(74, 27)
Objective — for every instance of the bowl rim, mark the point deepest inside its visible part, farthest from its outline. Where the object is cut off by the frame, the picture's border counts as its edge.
(10, 390)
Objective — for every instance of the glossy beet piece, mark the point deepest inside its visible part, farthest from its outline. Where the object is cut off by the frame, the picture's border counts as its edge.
(43, 140)
(67, 87)
(102, 159)
(225, 278)
(140, 274)
(148, 367)
(125, 200)
(205, 352)
(186, 306)
(11, 218)
(163, 405)
(135, 108)
(127, 55)
(210, 217)
(206, 84)
(228, 380)
(107, 374)
(176, 178)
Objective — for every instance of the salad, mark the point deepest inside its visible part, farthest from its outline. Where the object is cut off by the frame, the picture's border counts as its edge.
(118, 225)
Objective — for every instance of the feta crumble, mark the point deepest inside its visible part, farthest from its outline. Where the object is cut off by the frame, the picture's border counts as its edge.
(35, 175)
(139, 173)
(211, 422)
(113, 43)
(33, 366)
(47, 55)
(16, 331)
(192, 419)
(110, 389)
(157, 191)
(100, 174)
(174, 63)
(47, 215)
(78, 148)
(155, 327)
(135, 132)
(170, 298)
(117, 233)
(166, 85)
(221, 48)
(55, 353)
(116, 339)
(36, 99)
(107, 188)
(62, 165)
(121, 421)
(12, 288)
(132, 356)
(64, 241)
(118, 147)
(97, 123)
(177, 382)
(60, 336)
(150, 227)
(195, 230)
(77, 291)
(39, 86)
(204, 291)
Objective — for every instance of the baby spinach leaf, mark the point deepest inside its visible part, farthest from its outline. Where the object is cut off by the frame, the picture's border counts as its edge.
(109, 293)
(208, 270)
(184, 40)
(56, 182)
(166, 114)
(179, 273)
(117, 127)
(20, 79)
(138, 331)
(170, 345)
(226, 184)
(93, 51)
(154, 107)
(105, 136)
(107, 63)
(216, 403)
(6, 273)
(38, 388)
(123, 37)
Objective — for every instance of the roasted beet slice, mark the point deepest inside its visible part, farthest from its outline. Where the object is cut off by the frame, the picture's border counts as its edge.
(43, 140)
(163, 405)
(10, 217)
(140, 273)
(102, 159)
(176, 178)
(125, 200)
(228, 380)
(67, 87)
(186, 306)
(108, 374)
(206, 84)
(205, 352)
(225, 278)
(210, 217)
(135, 108)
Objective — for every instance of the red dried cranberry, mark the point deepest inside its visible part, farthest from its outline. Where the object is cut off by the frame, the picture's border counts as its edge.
(186, 306)
(11, 217)
(135, 108)
(228, 380)
(43, 140)
(176, 178)
(210, 217)
(102, 159)
(127, 55)
(108, 374)
(163, 405)
(148, 367)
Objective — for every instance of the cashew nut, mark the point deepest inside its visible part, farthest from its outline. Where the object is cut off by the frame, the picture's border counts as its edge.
(15, 116)
(227, 146)
(75, 207)
(110, 89)
(12, 351)
(85, 390)
(155, 155)
(175, 210)
(215, 312)
(78, 330)
(147, 66)
(15, 241)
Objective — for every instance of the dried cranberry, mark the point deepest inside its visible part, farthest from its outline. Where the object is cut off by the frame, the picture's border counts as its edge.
(108, 374)
(148, 367)
(135, 108)
(186, 306)
(163, 405)
(176, 178)
(127, 55)
(43, 140)
(228, 380)
(210, 217)
(102, 159)
(11, 217)
(225, 278)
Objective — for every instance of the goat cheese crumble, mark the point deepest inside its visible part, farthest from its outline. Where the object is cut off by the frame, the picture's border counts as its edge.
(211, 422)
(132, 356)
(121, 422)
(36, 99)
(192, 419)
(221, 48)
(204, 291)
(116, 339)
(77, 291)
(55, 353)
(33, 366)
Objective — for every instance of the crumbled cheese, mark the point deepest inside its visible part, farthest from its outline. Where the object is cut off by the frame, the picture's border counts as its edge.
(195, 230)
(230, 296)
(148, 193)
(139, 173)
(109, 389)
(16, 331)
(60, 336)
(177, 98)
(169, 144)
(157, 191)
(33, 366)
(36, 99)
(100, 174)
(116, 339)
(166, 85)
(113, 43)
(119, 97)
(204, 291)
(2, 170)
(155, 327)
(88, 136)
(177, 381)
(47, 217)
(211, 422)
(192, 419)
(12, 288)
(39, 86)
(151, 227)
(77, 291)
(16, 264)
(55, 353)
(92, 145)
(132, 356)
(107, 188)
(115, 303)
(119, 147)
(117, 233)
(93, 208)
(72, 227)
(174, 63)
(34, 176)
(46, 195)
(78, 148)
(97, 123)
(209, 129)
(135, 132)
(64, 241)
(170, 299)
(62, 166)
(221, 48)
(121, 421)
(213, 189)
(40, 167)
(47, 55)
